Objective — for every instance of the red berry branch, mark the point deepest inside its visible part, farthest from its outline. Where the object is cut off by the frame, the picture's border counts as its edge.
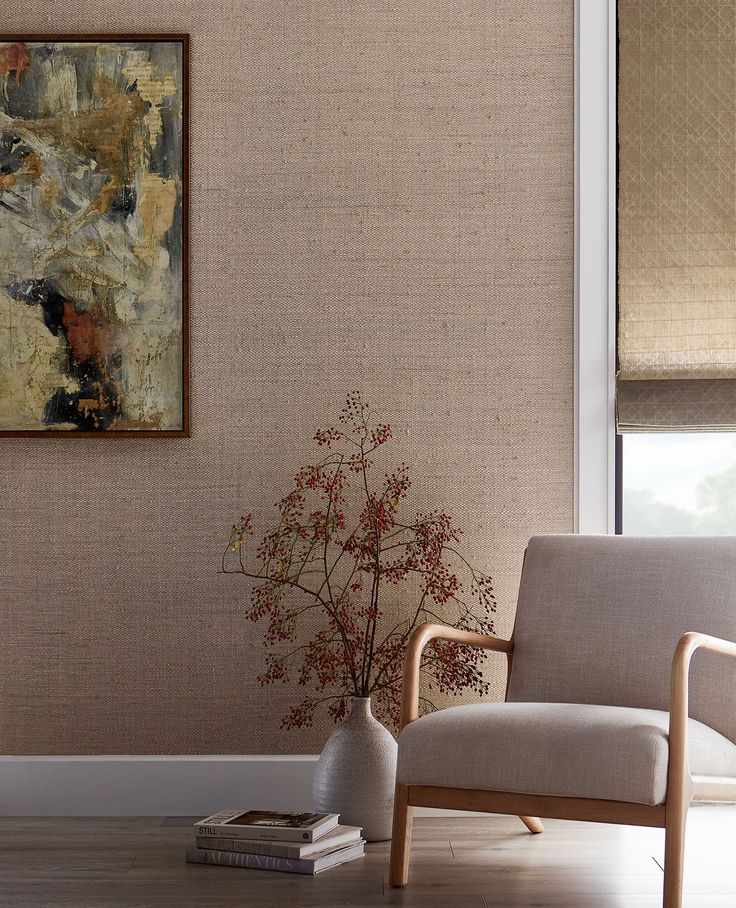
(341, 547)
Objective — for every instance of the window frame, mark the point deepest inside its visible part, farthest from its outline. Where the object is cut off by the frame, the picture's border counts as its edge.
(596, 485)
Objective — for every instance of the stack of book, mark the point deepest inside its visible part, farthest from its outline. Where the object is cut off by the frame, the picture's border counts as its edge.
(266, 840)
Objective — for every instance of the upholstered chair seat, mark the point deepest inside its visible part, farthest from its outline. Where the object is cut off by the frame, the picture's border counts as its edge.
(614, 753)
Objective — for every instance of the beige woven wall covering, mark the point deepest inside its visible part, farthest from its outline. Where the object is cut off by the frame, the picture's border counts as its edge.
(381, 199)
(677, 214)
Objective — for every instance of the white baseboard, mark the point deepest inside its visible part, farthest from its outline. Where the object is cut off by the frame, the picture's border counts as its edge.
(152, 785)
(139, 786)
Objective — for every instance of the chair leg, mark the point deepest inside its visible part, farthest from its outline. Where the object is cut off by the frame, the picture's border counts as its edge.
(533, 824)
(674, 851)
(398, 873)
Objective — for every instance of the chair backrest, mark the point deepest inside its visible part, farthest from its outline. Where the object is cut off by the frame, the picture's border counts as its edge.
(598, 619)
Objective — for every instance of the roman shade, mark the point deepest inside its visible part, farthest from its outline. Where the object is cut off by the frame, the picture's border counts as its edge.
(677, 217)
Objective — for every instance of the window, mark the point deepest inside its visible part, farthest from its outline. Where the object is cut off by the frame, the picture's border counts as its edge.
(676, 272)
(679, 483)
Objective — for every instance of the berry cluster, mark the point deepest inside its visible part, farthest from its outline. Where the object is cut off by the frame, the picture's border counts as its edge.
(340, 546)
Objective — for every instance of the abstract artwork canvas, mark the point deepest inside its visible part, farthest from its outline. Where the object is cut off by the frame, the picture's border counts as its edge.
(93, 234)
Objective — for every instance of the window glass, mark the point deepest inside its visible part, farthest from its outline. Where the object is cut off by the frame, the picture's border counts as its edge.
(679, 484)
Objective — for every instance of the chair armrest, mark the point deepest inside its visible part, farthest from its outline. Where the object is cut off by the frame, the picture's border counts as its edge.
(414, 648)
(679, 771)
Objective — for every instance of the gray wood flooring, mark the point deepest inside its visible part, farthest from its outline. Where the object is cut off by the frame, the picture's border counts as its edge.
(462, 862)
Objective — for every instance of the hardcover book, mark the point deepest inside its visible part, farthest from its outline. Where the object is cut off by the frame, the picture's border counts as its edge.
(323, 860)
(338, 837)
(267, 825)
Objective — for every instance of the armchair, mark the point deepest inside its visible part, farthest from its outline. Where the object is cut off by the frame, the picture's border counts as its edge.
(601, 720)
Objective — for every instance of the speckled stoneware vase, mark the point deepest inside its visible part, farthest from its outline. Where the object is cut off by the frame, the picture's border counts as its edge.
(356, 773)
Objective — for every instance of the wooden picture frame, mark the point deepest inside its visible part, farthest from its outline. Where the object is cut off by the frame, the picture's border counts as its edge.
(146, 89)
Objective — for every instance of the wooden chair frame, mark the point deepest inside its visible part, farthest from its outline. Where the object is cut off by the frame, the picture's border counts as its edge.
(682, 787)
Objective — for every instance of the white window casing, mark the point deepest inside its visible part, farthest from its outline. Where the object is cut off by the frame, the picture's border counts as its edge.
(595, 264)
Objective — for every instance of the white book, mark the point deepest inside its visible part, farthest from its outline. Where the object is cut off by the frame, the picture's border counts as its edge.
(316, 864)
(338, 837)
(267, 825)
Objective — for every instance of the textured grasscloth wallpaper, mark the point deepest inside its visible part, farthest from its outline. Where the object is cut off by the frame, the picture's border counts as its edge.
(381, 199)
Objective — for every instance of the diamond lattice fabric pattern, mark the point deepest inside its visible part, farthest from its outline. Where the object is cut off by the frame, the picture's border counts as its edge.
(677, 214)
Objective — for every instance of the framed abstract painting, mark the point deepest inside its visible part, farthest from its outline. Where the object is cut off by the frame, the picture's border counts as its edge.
(94, 244)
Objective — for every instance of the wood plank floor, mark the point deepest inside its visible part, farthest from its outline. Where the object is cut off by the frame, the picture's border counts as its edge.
(456, 863)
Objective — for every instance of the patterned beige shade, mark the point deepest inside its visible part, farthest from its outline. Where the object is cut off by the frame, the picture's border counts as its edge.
(676, 406)
(677, 215)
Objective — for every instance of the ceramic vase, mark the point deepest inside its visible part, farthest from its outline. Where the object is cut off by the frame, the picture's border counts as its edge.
(356, 773)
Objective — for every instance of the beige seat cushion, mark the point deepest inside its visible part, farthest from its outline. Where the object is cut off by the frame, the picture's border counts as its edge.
(612, 752)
